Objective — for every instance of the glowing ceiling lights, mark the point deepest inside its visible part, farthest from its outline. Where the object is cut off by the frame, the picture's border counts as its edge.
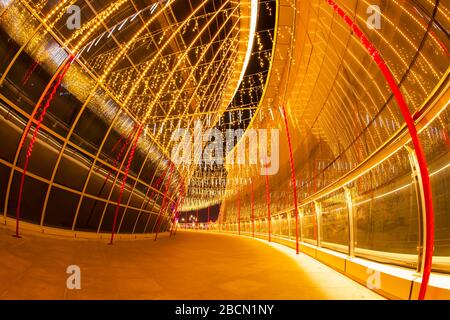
(253, 21)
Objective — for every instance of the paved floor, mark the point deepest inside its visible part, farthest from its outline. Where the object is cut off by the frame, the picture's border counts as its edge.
(188, 266)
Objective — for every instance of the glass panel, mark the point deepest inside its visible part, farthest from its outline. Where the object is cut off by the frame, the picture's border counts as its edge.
(100, 181)
(334, 219)
(73, 169)
(12, 125)
(137, 198)
(93, 124)
(385, 208)
(8, 49)
(61, 208)
(128, 221)
(151, 223)
(284, 225)
(67, 100)
(4, 178)
(119, 140)
(437, 150)
(30, 75)
(108, 219)
(16, 18)
(309, 224)
(90, 213)
(141, 222)
(33, 197)
(126, 191)
(45, 153)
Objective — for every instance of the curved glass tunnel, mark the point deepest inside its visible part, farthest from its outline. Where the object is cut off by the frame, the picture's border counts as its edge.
(320, 127)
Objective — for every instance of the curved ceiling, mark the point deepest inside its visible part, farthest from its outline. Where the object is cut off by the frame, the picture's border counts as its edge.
(112, 90)
(118, 86)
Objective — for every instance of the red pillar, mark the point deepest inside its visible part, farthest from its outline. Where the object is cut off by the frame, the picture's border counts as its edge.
(163, 202)
(179, 205)
(60, 74)
(253, 213)
(173, 230)
(268, 206)
(239, 213)
(294, 185)
(124, 180)
(429, 212)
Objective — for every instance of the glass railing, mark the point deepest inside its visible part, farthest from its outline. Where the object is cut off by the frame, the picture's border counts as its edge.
(375, 210)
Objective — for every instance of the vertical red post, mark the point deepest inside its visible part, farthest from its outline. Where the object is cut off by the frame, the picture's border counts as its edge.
(239, 213)
(429, 212)
(268, 206)
(294, 184)
(314, 191)
(164, 201)
(221, 213)
(181, 203)
(175, 216)
(56, 83)
(196, 219)
(122, 187)
(209, 213)
(253, 211)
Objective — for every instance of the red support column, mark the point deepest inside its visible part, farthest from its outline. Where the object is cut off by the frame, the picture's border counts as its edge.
(196, 219)
(294, 184)
(182, 202)
(122, 187)
(175, 216)
(253, 212)
(157, 184)
(221, 213)
(268, 206)
(313, 206)
(374, 53)
(239, 213)
(56, 83)
(164, 201)
(209, 213)
(178, 205)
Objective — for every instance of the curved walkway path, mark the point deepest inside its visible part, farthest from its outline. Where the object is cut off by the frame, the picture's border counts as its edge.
(188, 266)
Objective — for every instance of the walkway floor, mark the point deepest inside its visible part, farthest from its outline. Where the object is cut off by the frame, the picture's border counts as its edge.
(188, 266)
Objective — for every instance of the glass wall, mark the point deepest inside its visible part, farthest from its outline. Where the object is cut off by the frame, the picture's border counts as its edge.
(78, 161)
(355, 171)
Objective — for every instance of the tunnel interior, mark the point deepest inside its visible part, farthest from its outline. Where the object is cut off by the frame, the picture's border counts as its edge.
(320, 127)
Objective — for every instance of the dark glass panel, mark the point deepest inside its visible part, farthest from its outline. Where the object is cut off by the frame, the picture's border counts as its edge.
(100, 181)
(12, 125)
(142, 220)
(73, 169)
(45, 153)
(89, 215)
(4, 178)
(33, 197)
(108, 219)
(128, 221)
(61, 208)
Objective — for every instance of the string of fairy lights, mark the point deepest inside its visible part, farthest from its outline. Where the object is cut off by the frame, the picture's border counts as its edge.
(169, 67)
(208, 184)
